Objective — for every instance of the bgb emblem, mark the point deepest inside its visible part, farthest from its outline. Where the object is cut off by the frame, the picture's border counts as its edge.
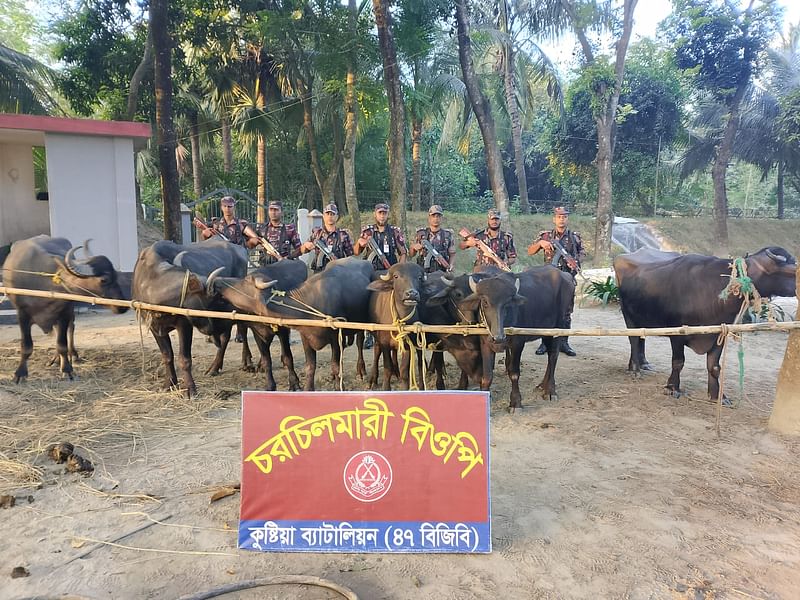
(367, 476)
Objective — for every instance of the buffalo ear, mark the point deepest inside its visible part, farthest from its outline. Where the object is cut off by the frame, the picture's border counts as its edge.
(379, 285)
(471, 302)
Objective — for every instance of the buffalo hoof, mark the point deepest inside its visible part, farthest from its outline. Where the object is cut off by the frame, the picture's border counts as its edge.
(249, 368)
(646, 366)
(294, 387)
(675, 393)
(19, 378)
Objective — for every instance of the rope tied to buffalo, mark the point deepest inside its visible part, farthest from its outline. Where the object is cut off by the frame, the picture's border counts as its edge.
(404, 343)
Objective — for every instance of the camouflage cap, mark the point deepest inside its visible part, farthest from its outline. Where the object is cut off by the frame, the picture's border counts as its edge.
(331, 208)
(381, 206)
(436, 209)
(560, 210)
(493, 213)
(275, 204)
(227, 201)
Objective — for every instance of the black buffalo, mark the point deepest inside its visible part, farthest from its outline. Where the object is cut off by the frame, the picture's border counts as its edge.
(340, 292)
(538, 298)
(171, 274)
(45, 263)
(287, 275)
(666, 289)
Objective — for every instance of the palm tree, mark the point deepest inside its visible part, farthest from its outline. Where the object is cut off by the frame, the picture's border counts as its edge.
(758, 139)
(25, 85)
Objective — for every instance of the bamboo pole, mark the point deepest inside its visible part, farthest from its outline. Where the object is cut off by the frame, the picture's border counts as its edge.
(413, 327)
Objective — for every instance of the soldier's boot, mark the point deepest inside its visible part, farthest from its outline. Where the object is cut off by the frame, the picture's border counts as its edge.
(369, 340)
(565, 347)
(542, 349)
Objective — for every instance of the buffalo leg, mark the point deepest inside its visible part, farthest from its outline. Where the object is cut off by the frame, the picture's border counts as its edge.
(72, 352)
(712, 364)
(373, 372)
(25, 345)
(311, 366)
(437, 364)
(678, 359)
(247, 355)
(185, 332)
(390, 366)
(221, 342)
(287, 358)
(265, 363)
(513, 359)
(168, 358)
(548, 383)
(336, 357)
(487, 358)
(361, 367)
(62, 343)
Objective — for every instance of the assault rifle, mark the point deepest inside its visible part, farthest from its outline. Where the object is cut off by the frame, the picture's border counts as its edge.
(269, 248)
(200, 224)
(466, 234)
(559, 253)
(435, 254)
(325, 249)
(376, 250)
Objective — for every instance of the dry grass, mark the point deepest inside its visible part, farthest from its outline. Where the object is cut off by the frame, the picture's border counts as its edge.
(105, 412)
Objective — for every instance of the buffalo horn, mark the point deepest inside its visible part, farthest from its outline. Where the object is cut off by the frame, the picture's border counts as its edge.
(386, 277)
(76, 268)
(448, 279)
(516, 284)
(177, 261)
(86, 252)
(263, 284)
(775, 257)
(473, 285)
(214, 274)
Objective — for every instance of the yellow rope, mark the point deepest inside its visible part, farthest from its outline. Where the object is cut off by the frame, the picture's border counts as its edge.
(402, 340)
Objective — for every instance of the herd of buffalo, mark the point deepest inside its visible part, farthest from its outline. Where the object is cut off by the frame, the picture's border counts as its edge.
(657, 289)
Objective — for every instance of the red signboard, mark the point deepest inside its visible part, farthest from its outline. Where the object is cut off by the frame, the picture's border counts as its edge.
(365, 471)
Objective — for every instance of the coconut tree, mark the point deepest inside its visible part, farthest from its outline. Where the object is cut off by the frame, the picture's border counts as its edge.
(26, 84)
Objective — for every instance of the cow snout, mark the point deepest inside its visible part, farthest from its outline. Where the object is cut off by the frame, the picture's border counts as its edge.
(410, 297)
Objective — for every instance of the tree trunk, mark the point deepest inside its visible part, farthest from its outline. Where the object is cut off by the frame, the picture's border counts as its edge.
(141, 70)
(785, 417)
(329, 185)
(261, 170)
(350, 125)
(483, 112)
(780, 190)
(194, 140)
(227, 146)
(396, 142)
(605, 121)
(416, 162)
(165, 131)
(604, 213)
(509, 84)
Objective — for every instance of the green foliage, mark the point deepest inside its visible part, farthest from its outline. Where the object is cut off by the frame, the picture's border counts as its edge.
(101, 46)
(602, 291)
(721, 45)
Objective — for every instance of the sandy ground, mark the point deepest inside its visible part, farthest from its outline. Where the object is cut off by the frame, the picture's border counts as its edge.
(614, 491)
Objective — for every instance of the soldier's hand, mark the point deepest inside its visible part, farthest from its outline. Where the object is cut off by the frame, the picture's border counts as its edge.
(307, 246)
(416, 247)
(546, 246)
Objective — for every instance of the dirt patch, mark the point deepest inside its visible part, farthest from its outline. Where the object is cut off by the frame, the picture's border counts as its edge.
(614, 491)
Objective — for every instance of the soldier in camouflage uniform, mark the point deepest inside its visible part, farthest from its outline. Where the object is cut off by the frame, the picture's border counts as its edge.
(390, 239)
(501, 242)
(238, 231)
(283, 236)
(338, 241)
(441, 239)
(573, 245)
